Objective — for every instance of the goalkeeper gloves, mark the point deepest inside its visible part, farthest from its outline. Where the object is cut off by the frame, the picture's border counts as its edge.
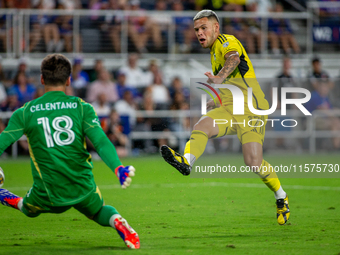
(124, 174)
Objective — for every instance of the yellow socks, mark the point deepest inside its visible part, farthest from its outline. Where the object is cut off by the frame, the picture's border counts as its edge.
(195, 147)
(268, 176)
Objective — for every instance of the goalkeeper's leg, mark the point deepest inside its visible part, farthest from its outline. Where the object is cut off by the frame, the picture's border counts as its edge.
(9, 199)
(105, 215)
(109, 217)
(252, 153)
(194, 148)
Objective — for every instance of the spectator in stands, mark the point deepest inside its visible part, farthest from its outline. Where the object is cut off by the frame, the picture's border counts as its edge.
(150, 123)
(141, 28)
(236, 26)
(127, 107)
(122, 86)
(12, 103)
(163, 21)
(135, 76)
(113, 25)
(94, 73)
(253, 30)
(45, 26)
(159, 93)
(45, 4)
(284, 79)
(280, 29)
(19, 4)
(103, 85)
(65, 25)
(319, 74)
(177, 86)
(3, 94)
(184, 32)
(102, 107)
(2, 73)
(115, 133)
(320, 101)
(79, 78)
(178, 101)
(3, 32)
(151, 72)
(70, 5)
(263, 6)
(23, 89)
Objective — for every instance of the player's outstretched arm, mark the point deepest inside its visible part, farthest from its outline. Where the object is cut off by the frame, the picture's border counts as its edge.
(104, 147)
(13, 131)
(232, 60)
(108, 154)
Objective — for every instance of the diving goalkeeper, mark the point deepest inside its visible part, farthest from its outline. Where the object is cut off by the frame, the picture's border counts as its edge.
(56, 126)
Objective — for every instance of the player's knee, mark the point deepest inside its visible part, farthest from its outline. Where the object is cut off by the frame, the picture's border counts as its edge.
(253, 161)
(201, 127)
(206, 126)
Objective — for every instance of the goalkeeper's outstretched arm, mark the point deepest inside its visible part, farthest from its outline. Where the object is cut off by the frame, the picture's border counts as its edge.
(13, 131)
(108, 154)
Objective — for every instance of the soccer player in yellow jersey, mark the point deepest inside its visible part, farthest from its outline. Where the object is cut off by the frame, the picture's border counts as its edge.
(231, 65)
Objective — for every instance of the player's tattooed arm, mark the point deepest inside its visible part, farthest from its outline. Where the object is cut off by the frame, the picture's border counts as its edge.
(232, 60)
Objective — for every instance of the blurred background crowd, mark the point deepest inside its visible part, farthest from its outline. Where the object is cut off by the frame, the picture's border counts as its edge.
(117, 95)
(116, 32)
(139, 63)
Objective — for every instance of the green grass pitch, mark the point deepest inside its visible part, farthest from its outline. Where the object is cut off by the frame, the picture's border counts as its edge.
(174, 214)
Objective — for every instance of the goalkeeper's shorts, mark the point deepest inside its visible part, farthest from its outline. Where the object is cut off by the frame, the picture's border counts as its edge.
(33, 206)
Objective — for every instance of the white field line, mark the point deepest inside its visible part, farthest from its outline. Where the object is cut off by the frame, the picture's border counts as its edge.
(201, 184)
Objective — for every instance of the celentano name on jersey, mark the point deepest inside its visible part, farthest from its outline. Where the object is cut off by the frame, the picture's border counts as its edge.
(53, 106)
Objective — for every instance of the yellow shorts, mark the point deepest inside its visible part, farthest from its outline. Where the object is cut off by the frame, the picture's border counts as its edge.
(248, 127)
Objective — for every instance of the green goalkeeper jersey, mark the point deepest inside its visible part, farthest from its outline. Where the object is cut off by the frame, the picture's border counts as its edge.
(56, 125)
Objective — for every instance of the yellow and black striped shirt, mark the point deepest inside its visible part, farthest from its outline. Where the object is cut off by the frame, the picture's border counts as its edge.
(243, 76)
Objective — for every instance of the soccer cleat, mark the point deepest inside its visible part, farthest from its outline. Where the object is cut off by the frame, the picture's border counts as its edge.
(129, 236)
(176, 160)
(9, 199)
(283, 211)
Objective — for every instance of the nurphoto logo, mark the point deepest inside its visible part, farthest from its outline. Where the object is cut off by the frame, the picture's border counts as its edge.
(238, 103)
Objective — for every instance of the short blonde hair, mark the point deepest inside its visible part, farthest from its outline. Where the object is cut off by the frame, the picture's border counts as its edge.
(206, 14)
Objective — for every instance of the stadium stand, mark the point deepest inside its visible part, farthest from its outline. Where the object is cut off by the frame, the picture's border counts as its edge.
(145, 53)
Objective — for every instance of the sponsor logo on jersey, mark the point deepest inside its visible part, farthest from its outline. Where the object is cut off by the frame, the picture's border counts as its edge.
(226, 44)
(95, 121)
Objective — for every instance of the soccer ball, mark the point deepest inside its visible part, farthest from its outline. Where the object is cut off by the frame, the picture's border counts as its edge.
(2, 177)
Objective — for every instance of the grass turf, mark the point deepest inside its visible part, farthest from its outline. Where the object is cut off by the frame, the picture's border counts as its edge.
(181, 215)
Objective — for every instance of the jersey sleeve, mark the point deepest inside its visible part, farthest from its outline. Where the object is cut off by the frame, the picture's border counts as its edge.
(13, 131)
(230, 45)
(98, 138)
(90, 118)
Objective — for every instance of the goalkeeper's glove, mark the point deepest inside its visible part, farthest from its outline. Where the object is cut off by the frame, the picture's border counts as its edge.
(124, 174)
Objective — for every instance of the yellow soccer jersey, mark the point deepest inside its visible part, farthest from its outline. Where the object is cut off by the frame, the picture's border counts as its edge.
(243, 76)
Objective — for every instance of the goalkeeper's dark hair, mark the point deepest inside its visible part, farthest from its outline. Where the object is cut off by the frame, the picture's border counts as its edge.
(206, 14)
(55, 69)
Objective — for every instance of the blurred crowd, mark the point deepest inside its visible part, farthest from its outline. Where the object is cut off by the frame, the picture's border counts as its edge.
(325, 93)
(145, 33)
(116, 95)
